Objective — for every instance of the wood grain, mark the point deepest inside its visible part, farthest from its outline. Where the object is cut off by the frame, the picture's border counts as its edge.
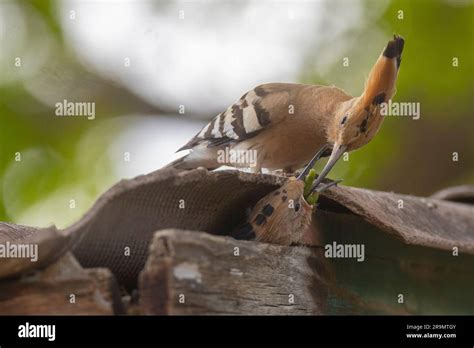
(263, 279)
(48, 292)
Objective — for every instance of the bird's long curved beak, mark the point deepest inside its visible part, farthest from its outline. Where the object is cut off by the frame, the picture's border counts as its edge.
(337, 152)
(312, 162)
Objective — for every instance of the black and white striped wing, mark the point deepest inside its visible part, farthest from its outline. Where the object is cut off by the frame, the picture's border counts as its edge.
(243, 120)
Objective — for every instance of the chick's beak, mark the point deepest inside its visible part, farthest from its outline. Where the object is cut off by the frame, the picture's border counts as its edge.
(324, 187)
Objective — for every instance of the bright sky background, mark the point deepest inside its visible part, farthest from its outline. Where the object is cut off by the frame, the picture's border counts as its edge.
(200, 54)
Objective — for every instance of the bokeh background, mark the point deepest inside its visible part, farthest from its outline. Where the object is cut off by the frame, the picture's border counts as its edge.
(142, 62)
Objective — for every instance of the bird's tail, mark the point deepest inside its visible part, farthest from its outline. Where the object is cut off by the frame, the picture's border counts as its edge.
(380, 85)
(188, 162)
(181, 164)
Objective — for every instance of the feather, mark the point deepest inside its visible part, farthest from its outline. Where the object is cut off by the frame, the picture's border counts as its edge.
(242, 120)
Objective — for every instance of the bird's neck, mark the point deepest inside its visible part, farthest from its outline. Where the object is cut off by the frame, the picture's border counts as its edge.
(374, 122)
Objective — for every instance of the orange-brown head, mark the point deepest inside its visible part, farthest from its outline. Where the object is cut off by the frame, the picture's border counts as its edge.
(282, 216)
(279, 217)
(358, 120)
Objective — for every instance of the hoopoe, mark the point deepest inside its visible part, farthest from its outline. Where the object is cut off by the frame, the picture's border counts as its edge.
(284, 124)
(283, 215)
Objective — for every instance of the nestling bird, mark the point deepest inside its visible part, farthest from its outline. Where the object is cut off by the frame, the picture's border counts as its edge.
(283, 215)
(285, 124)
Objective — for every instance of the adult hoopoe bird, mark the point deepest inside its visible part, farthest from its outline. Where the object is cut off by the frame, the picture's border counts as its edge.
(285, 124)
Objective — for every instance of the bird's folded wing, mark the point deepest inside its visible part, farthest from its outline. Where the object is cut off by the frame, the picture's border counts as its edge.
(255, 111)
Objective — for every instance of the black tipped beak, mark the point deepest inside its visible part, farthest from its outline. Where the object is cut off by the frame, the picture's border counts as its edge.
(394, 47)
(322, 188)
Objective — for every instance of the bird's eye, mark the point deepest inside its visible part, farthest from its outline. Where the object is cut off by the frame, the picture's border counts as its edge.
(344, 119)
(297, 206)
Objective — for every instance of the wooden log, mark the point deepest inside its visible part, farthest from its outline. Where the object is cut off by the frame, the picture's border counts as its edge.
(49, 243)
(190, 272)
(63, 288)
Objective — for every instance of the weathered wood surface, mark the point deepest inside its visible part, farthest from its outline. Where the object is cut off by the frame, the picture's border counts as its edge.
(50, 243)
(461, 194)
(48, 292)
(216, 202)
(263, 279)
(410, 247)
(204, 270)
(419, 221)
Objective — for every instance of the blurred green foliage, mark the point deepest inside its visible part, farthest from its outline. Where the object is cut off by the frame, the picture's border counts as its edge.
(415, 156)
